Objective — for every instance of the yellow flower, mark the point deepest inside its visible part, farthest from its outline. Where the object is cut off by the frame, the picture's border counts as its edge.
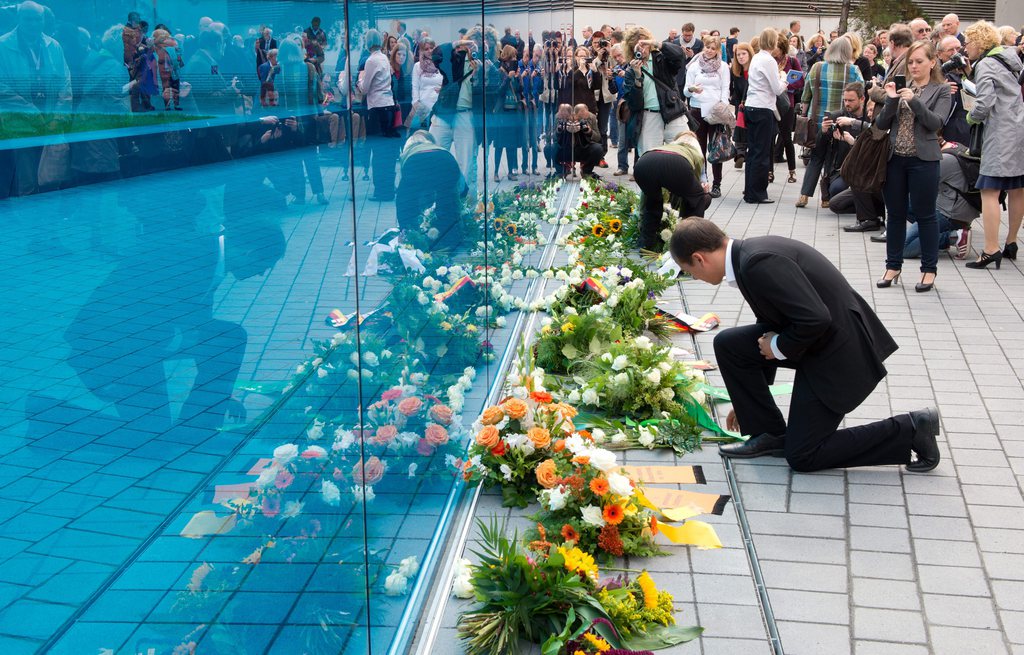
(650, 590)
(600, 644)
(546, 330)
(567, 327)
(615, 225)
(598, 230)
(629, 509)
(471, 328)
(445, 325)
(579, 561)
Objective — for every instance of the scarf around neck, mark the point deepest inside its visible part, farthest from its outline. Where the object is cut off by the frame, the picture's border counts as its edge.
(709, 66)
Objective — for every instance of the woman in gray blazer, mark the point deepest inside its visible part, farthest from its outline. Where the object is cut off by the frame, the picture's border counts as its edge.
(1000, 109)
(914, 115)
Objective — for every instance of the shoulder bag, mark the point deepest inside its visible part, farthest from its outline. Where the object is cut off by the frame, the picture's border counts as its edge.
(672, 106)
(864, 167)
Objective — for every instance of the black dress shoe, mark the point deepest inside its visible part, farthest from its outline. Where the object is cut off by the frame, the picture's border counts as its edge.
(923, 443)
(766, 201)
(862, 226)
(878, 238)
(758, 446)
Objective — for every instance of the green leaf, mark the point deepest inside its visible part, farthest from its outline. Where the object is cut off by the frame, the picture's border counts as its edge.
(570, 351)
(661, 636)
(595, 346)
(554, 644)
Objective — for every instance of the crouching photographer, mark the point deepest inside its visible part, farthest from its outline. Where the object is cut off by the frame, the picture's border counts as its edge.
(579, 139)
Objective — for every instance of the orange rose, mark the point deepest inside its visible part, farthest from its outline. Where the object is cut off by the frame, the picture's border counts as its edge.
(515, 408)
(547, 476)
(560, 445)
(385, 434)
(488, 437)
(492, 415)
(436, 435)
(369, 473)
(443, 414)
(540, 437)
(410, 406)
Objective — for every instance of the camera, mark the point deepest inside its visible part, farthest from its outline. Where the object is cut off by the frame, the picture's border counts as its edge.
(603, 43)
(956, 63)
(638, 53)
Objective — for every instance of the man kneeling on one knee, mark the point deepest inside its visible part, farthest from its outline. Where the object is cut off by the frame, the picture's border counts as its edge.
(811, 320)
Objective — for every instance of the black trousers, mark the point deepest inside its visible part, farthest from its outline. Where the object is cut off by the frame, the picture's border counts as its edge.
(813, 442)
(761, 130)
(657, 170)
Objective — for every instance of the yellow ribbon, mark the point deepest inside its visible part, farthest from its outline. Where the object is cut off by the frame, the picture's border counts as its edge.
(691, 533)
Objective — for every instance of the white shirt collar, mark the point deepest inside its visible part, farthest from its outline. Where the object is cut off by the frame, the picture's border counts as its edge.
(730, 274)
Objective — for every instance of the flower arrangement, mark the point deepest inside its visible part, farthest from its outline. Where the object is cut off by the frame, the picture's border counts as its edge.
(551, 594)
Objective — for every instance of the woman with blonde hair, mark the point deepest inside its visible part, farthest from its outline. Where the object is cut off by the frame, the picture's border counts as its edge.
(765, 83)
(998, 107)
(650, 83)
(862, 63)
(914, 115)
(1008, 35)
(707, 84)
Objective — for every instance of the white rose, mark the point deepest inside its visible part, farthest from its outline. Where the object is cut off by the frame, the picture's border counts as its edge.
(574, 396)
(603, 460)
(370, 359)
(267, 477)
(462, 587)
(354, 358)
(620, 363)
(286, 453)
(590, 397)
(592, 515)
(654, 375)
(699, 397)
(531, 274)
(506, 471)
(598, 435)
(396, 584)
(625, 272)
(321, 373)
(330, 492)
(412, 469)
(442, 270)
(292, 509)
(607, 357)
(409, 566)
(422, 299)
(619, 485)
(613, 300)
(316, 432)
(554, 498)
(642, 342)
(621, 379)
(500, 321)
(666, 235)
(646, 439)
(665, 366)
(668, 393)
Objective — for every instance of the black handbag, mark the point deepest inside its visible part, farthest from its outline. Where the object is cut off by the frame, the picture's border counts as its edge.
(977, 138)
(672, 106)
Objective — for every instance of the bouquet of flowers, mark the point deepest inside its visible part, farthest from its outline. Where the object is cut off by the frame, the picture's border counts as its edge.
(588, 503)
(552, 594)
(681, 435)
(633, 378)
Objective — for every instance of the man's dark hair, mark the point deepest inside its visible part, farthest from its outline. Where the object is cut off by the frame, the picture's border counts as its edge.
(734, 30)
(695, 235)
(901, 36)
(856, 87)
(619, 36)
(688, 27)
(792, 23)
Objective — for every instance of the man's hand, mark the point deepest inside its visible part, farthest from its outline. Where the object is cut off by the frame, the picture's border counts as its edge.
(731, 423)
(765, 345)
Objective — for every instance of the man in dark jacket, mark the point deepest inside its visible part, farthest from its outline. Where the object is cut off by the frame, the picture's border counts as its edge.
(810, 319)
(651, 91)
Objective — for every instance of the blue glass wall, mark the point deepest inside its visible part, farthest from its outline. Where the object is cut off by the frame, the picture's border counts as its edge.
(233, 379)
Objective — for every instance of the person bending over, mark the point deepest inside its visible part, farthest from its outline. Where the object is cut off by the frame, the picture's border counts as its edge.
(676, 166)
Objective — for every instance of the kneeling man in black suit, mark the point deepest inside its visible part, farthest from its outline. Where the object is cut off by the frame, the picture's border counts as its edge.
(811, 320)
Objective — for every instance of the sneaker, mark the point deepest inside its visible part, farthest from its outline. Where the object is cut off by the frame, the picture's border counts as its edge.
(963, 244)
(716, 191)
(802, 201)
(619, 172)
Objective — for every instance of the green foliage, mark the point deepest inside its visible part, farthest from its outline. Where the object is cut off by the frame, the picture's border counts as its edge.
(872, 15)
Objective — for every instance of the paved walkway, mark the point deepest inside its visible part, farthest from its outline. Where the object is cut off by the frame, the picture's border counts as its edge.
(875, 560)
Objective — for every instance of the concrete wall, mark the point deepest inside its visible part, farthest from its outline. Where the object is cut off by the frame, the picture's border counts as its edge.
(1010, 12)
(659, 22)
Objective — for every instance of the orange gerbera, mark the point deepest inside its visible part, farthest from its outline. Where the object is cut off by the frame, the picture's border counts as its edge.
(569, 533)
(599, 486)
(654, 525)
(541, 397)
(613, 514)
(581, 459)
(586, 435)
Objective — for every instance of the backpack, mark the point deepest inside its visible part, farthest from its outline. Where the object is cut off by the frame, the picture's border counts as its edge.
(864, 167)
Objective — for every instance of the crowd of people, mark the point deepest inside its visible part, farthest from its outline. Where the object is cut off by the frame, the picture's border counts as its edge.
(671, 110)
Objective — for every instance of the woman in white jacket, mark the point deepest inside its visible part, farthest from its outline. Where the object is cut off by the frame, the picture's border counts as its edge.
(426, 84)
(707, 84)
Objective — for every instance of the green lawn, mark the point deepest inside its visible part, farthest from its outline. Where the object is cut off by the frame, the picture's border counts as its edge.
(14, 125)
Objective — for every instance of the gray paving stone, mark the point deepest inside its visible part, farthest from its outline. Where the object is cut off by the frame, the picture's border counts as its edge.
(890, 540)
(1008, 595)
(796, 524)
(966, 641)
(986, 475)
(990, 516)
(960, 611)
(1013, 623)
(766, 497)
(952, 580)
(878, 475)
(932, 505)
(883, 516)
(801, 549)
(997, 540)
(941, 527)
(724, 589)
(888, 625)
(726, 560)
(887, 594)
(863, 647)
(1004, 566)
(818, 483)
(732, 621)
(805, 576)
(717, 646)
(889, 566)
(814, 639)
(947, 553)
(931, 484)
(870, 494)
(977, 457)
(810, 606)
(828, 504)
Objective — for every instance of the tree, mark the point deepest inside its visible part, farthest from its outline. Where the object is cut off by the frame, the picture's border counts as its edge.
(872, 15)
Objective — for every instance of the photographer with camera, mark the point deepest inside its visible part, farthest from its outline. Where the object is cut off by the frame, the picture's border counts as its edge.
(602, 80)
(579, 139)
(955, 67)
(651, 91)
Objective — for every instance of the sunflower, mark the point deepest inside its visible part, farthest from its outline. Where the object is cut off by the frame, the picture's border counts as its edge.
(615, 225)
(600, 644)
(598, 230)
(599, 486)
(613, 514)
(510, 229)
(569, 533)
(499, 224)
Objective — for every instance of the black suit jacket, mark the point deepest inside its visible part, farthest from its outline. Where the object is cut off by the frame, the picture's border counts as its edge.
(825, 328)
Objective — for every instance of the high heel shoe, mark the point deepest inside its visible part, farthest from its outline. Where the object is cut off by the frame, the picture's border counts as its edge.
(1010, 251)
(792, 177)
(986, 259)
(922, 286)
(887, 282)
